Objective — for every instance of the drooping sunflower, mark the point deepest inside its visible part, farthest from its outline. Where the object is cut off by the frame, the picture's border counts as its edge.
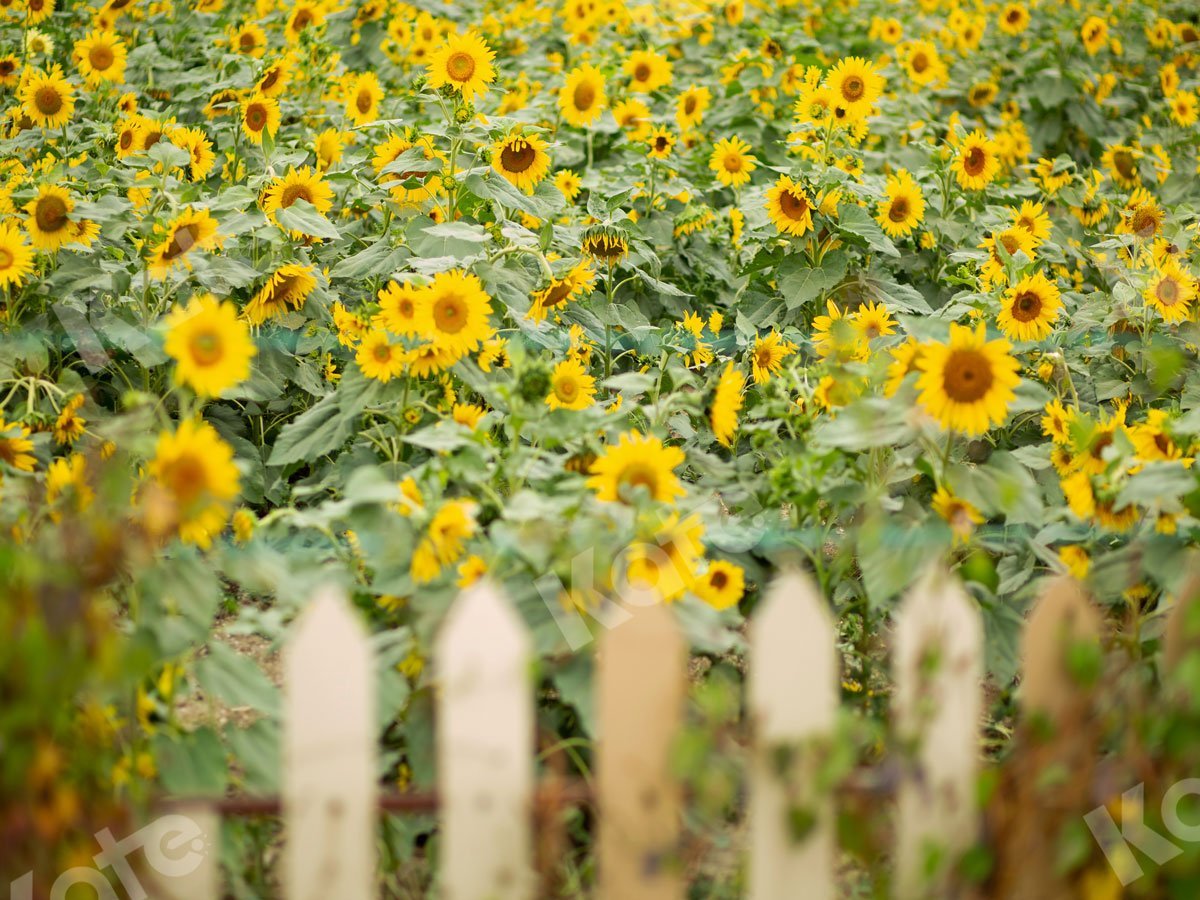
(522, 159)
(379, 358)
(463, 63)
(1029, 308)
(977, 161)
(286, 289)
(211, 346)
(604, 244)
(398, 308)
(363, 97)
(856, 86)
(789, 207)
(47, 98)
(1170, 291)
(194, 477)
(562, 291)
(727, 402)
(647, 71)
(571, 387)
(691, 106)
(16, 258)
(101, 57)
(904, 206)
(637, 462)
(968, 383)
(49, 223)
(732, 162)
(453, 312)
(260, 115)
(423, 185)
(582, 98)
(297, 184)
(192, 229)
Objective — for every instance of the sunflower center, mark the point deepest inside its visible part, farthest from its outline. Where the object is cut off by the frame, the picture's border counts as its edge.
(269, 80)
(639, 474)
(6, 259)
(183, 240)
(7, 67)
(557, 292)
(517, 157)
(50, 214)
(793, 206)
(898, 211)
(48, 100)
(566, 389)
(974, 161)
(1123, 162)
(101, 56)
(585, 96)
(383, 353)
(718, 580)
(294, 192)
(460, 66)
(968, 376)
(151, 138)
(1027, 306)
(1144, 222)
(1167, 291)
(256, 117)
(186, 478)
(641, 72)
(689, 106)
(363, 102)
(206, 348)
(247, 42)
(126, 139)
(920, 63)
(1013, 16)
(450, 314)
(303, 20)
(853, 88)
(732, 162)
(661, 144)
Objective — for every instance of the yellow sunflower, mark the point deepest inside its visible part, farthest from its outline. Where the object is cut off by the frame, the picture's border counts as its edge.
(727, 402)
(923, 63)
(571, 387)
(10, 68)
(248, 39)
(453, 312)
(260, 115)
(423, 185)
(522, 159)
(904, 206)
(1170, 291)
(398, 308)
(1014, 18)
(49, 223)
(16, 449)
(286, 289)
(977, 161)
(327, 147)
(1032, 217)
(667, 563)
(968, 383)
(463, 63)
(766, 359)
(1029, 308)
(1121, 160)
(16, 258)
(961, 515)
(582, 98)
(297, 184)
(637, 462)
(101, 57)
(634, 118)
(562, 291)
(194, 478)
(362, 98)
(379, 358)
(210, 345)
(732, 162)
(192, 229)
(856, 86)
(691, 106)
(275, 78)
(789, 207)
(47, 98)
(304, 15)
(199, 149)
(647, 71)
(1094, 33)
(568, 183)
(660, 142)
(722, 586)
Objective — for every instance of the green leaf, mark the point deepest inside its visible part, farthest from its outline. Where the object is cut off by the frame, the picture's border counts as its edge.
(857, 221)
(236, 680)
(805, 285)
(302, 216)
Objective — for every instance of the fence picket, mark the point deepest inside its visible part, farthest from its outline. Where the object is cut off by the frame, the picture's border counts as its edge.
(1062, 615)
(640, 682)
(329, 755)
(938, 668)
(171, 875)
(485, 749)
(792, 697)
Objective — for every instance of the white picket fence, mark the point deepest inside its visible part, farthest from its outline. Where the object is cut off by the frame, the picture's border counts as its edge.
(485, 744)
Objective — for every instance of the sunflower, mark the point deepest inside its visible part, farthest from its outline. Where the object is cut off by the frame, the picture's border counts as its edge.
(70, 425)
(789, 207)
(968, 383)
(210, 345)
(47, 97)
(260, 115)
(634, 118)
(38, 10)
(129, 136)
(667, 563)
(904, 207)
(982, 93)
(855, 86)
(1121, 160)
(379, 358)
(194, 476)
(1056, 423)
(49, 223)
(429, 359)
(1151, 439)
(453, 312)
(959, 514)
(905, 360)
(286, 289)
(561, 291)
(1184, 109)
(275, 78)
(101, 57)
(568, 183)
(298, 184)
(249, 39)
(1014, 240)
(362, 98)
(16, 258)
(571, 387)
(199, 149)
(16, 449)
(637, 462)
(1032, 217)
(463, 63)
(607, 245)
(660, 142)
(732, 162)
(398, 308)
(727, 402)
(872, 320)
(582, 97)
(10, 68)
(977, 161)
(304, 15)
(192, 229)
(691, 106)
(1094, 33)
(647, 71)
(766, 359)
(923, 63)
(327, 147)
(1142, 216)
(423, 185)
(1029, 308)
(1170, 291)
(722, 586)
(522, 159)
(1014, 18)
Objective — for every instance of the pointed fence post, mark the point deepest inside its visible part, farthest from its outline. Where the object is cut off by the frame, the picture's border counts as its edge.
(330, 789)
(485, 749)
(641, 668)
(938, 666)
(792, 698)
(183, 853)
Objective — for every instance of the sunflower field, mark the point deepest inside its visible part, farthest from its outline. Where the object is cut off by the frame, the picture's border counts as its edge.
(406, 295)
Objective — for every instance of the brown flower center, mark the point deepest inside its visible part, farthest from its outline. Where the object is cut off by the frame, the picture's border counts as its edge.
(50, 214)
(853, 88)
(206, 348)
(1167, 292)
(584, 97)
(101, 56)
(450, 314)
(294, 192)
(967, 376)
(1026, 306)
(794, 206)
(898, 210)
(182, 240)
(974, 161)
(364, 101)
(517, 156)
(256, 117)
(460, 66)
(48, 100)
(641, 72)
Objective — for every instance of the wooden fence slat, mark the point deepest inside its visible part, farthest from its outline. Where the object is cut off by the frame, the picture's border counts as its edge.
(172, 872)
(1062, 615)
(792, 697)
(485, 749)
(1181, 635)
(938, 665)
(641, 669)
(329, 755)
